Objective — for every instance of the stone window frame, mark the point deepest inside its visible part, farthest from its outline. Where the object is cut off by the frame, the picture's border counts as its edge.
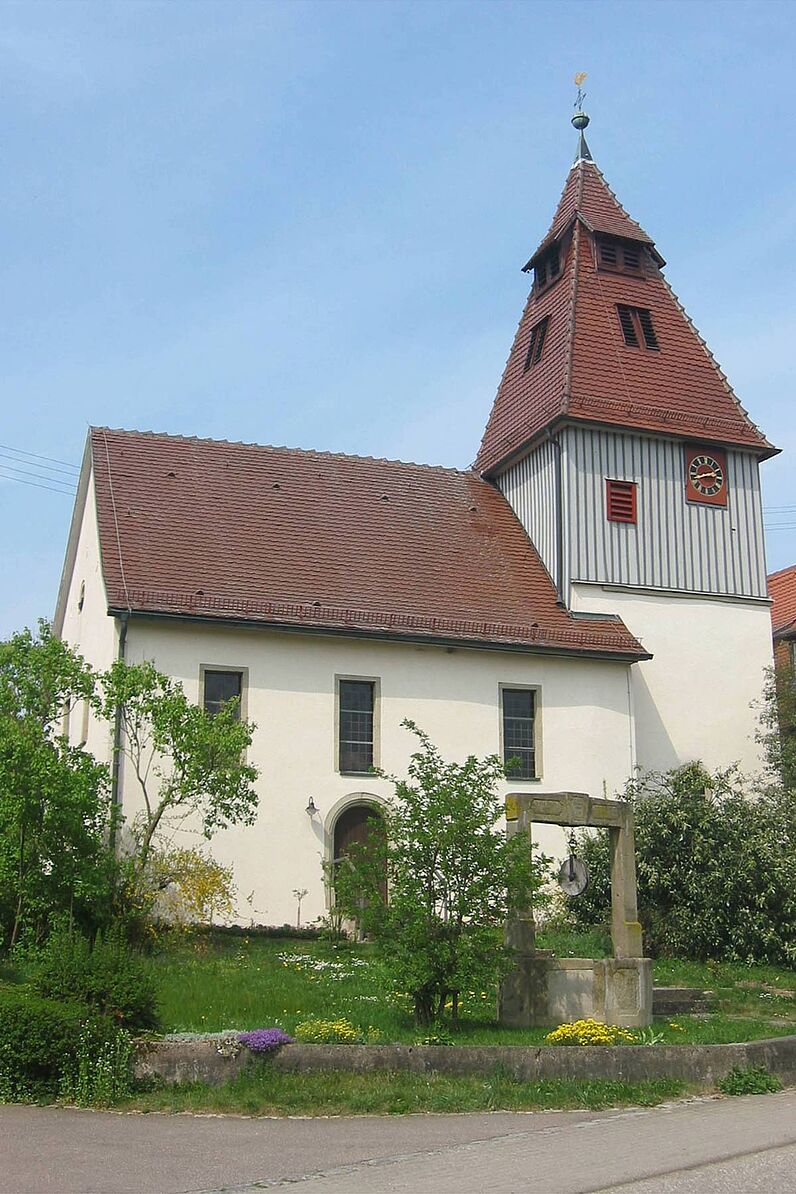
(376, 682)
(538, 758)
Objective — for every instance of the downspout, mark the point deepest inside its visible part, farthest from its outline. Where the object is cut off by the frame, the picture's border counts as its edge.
(116, 768)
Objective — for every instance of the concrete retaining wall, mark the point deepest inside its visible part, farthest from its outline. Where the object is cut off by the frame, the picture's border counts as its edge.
(200, 1061)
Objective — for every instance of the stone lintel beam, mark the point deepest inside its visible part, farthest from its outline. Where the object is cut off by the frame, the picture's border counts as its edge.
(567, 808)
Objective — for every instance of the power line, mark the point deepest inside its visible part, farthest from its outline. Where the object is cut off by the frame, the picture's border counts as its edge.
(27, 473)
(48, 468)
(38, 484)
(37, 456)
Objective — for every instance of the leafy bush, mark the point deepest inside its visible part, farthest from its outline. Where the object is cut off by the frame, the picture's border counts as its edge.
(756, 1079)
(440, 1037)
(40, 1040)
(716, 869)
(106, 975)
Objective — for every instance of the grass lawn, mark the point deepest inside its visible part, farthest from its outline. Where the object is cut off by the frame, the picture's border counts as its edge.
(263, 1092)
(211, 983)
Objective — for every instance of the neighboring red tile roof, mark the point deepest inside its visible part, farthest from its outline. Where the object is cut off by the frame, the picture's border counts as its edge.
(272, 535)
(782, 591)
(587, 372)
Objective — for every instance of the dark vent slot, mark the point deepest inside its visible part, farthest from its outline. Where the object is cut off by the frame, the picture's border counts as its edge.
(648, 331)
(554, 264)
(628, 327)
(607, 253)
(632, 257)
(621, 501)
(541, 273)
(536, 344)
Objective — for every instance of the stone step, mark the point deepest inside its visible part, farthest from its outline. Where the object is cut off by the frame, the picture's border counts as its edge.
(680, 1001)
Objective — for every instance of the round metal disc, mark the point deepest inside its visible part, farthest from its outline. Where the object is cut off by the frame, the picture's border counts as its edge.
(573, 876)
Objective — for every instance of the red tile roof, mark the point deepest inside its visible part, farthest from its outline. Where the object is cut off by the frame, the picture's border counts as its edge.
(782, 591)
(223, 530)
(587, 194)
(587, 372)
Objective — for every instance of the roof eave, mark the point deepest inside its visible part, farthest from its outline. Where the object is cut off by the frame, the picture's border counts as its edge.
(616, 656)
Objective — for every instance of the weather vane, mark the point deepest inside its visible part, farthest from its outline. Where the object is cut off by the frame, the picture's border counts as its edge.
(580, 119)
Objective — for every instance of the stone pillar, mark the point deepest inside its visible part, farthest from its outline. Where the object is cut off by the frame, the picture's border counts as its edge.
(625, 927)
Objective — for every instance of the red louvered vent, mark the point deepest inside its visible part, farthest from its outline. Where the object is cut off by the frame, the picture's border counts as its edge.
(620, 501)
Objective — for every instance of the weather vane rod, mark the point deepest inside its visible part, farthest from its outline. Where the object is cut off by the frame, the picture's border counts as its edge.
(580, 119)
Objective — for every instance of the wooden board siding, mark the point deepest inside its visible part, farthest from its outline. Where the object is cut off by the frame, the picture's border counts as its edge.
(530, 489)
(674, 544)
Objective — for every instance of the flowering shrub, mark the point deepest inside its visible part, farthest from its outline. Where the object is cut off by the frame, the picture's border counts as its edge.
(264, 1040)
(590, 1032)
(327, 1032)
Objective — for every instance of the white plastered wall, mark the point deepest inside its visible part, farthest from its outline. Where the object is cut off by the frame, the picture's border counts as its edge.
(695, 698)
(585, 734)
(86, 626)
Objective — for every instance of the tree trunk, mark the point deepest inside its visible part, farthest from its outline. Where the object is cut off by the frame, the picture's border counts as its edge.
(424, 1006)
(20, 876)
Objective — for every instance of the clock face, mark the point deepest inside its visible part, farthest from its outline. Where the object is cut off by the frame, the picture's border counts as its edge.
(706, 476)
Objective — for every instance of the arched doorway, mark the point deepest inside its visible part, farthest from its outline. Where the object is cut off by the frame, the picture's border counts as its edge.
(358, 827)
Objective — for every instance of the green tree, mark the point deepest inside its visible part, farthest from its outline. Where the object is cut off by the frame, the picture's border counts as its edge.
(187, 762)
(777, 725)
(54, 798)
(453, 877)
(716, 867)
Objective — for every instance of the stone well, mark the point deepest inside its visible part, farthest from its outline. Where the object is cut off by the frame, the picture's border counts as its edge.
(545, 990)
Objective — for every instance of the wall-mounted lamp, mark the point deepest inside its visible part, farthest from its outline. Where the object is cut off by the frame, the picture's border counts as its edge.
(311, 808)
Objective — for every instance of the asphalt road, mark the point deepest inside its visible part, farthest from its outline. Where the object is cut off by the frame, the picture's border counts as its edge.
(711, 1146)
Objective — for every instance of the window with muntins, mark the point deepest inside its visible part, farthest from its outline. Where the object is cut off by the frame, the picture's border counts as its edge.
(536, 343)
(519, 710)
(636, 324)
(355, 747)
(221, 687)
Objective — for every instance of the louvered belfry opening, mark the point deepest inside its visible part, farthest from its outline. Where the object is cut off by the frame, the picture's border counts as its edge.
(617, 255)
(636, 324)
(536, 342)
(620, 500)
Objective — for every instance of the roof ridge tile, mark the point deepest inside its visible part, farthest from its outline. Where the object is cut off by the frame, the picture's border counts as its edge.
(306, 452)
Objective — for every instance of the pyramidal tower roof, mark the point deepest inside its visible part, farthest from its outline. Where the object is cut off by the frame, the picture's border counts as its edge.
(588, 369)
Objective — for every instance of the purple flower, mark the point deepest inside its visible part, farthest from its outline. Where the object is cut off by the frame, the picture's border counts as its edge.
(262, 1040)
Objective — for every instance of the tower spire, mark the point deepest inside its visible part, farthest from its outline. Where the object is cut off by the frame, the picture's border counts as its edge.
(581, 121)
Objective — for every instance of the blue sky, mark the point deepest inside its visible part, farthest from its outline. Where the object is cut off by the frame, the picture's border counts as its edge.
(303, 223)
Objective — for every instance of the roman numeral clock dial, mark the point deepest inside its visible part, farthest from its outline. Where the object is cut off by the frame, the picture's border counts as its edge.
(706, 476)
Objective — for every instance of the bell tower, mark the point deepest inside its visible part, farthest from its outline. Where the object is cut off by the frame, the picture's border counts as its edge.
(633, 467)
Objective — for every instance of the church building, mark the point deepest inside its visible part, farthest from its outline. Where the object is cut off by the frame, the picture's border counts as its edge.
(588, 598)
